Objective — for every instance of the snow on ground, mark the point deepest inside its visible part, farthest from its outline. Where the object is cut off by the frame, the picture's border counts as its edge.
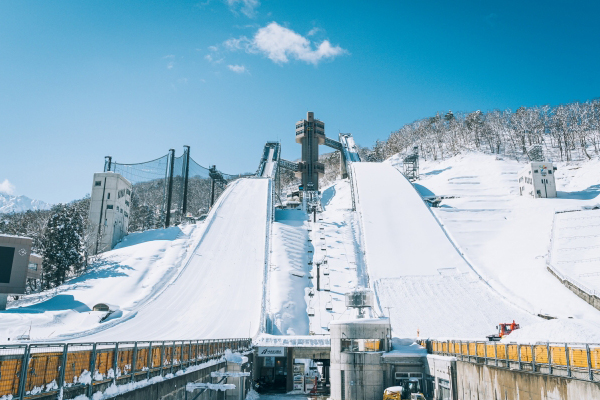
(293, 281)
(575, 250)
(131, 274)
(415, 269)
(179, 283)
(506, 237)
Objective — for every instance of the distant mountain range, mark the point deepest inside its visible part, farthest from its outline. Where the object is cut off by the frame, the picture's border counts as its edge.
(10, 204)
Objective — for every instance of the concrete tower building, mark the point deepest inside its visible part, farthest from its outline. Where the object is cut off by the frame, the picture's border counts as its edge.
(310, 132)
(109, 211)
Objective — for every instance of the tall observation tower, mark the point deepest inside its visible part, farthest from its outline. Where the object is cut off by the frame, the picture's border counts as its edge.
(310, 132)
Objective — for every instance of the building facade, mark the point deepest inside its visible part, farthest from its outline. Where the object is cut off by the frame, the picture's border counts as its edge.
(310, 132)
(537, 180)
(14, 262)
(110, 204)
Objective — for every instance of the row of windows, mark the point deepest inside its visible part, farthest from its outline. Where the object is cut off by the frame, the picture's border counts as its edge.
(353, 345)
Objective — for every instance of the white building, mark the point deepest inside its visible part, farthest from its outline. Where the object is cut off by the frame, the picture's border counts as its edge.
(109, 211)
(537, 180)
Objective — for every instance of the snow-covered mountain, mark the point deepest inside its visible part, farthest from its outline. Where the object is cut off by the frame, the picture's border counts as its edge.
(9, 204)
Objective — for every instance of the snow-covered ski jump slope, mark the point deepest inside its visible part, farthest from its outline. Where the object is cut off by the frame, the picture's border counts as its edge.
(217, 294)
(418, 275)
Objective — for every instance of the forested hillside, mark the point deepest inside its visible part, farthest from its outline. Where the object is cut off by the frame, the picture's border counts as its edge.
(566, 132)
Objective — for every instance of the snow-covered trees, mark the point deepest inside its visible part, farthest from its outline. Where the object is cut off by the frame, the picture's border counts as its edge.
(63, 245)
(569, 131)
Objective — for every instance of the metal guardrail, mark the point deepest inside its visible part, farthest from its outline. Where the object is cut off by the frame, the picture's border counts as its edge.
(27, 371)
(572, 360)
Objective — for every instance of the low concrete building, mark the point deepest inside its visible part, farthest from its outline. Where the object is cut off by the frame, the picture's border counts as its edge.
(14, 265)
(110, 204)
(537, 180)
(357, 347)
(35, 267)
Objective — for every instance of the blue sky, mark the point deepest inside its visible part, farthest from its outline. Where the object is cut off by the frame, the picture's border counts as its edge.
(83, 79)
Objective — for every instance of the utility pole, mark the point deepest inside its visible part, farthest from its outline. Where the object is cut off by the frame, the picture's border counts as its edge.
(170, 188)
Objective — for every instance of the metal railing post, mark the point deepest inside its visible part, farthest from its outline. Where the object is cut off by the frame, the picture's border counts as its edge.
(485, 353)
(567, 356)
(549, 358)
(170, 188)
(115, 362)
(150, 360)
(507, 356)
(63, 366)
(24, 367)
(172, 356)
(186, 174)
(134, 361)
(533, 358)
(519, 356)
(189, 354)
(589, 362)
(92, 371)
(162, 358)
(496, 353)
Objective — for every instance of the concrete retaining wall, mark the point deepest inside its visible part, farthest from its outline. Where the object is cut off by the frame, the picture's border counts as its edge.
(477, 381)
(594, 301)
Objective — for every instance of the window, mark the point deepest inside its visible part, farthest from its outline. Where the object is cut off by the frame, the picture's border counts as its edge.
(117, 208)
(121, 193)
(128, 192)
(127, 203)
(126, 215)
(353, 345)
(109, 207)
(108, 195)
(535, 171)
(121, 211)
(550, 171)
(98, 183)
(33, 266)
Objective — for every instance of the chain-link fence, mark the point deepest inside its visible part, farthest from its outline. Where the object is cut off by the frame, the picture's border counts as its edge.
(169, 189)
(27, 371)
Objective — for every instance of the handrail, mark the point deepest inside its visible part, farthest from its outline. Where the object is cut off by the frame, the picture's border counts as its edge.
(50, 368)
(574, 360)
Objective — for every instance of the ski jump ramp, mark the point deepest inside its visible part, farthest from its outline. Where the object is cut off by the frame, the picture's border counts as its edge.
(420, 278)
(218, 294)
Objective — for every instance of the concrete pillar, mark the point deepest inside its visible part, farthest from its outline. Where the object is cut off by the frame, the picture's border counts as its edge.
(289, 382)
(3, 300)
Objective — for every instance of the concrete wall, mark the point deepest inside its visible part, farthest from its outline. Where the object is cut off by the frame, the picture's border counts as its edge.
(14, 261)
(477, 381)
(594, 301)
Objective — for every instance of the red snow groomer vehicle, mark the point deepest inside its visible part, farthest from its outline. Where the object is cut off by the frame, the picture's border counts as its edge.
(503, 330)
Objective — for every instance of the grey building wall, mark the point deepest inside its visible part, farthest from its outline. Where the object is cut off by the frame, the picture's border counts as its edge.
(109, 211)
(14, 262)
(477, 381)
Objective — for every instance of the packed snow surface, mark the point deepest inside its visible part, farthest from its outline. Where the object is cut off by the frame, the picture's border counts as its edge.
(420, 278)
(507, 237)
(199, 281)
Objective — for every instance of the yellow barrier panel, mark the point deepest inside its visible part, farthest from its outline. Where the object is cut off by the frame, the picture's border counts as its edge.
(513, 352)
(541, 354)
(77, 363)
(526, 354)
(595, 357)
(480, 349)
(456, 349)
(43, 368)
(464, 348)
(104, 362)
(10, 372)
(558, 355)
(578, 358)
(490, 350)
(501, 351)
(472, 349)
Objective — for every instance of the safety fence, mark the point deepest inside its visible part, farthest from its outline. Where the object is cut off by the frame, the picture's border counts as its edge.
(27, 371)
(573, 360)
(169, 189)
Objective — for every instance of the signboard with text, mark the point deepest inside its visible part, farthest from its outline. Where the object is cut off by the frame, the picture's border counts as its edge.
(271, 351)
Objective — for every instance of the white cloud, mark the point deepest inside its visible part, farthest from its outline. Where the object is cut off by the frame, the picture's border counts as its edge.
(280, 44)
(241, 43)
(170, 65)
(7, 187)
(313, 31)
(213, 48)
(169, 56)
(247, 7)
(238, 69)
(212, 59)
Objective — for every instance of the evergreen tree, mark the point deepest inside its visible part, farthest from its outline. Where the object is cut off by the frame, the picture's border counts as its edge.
(62, 245)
